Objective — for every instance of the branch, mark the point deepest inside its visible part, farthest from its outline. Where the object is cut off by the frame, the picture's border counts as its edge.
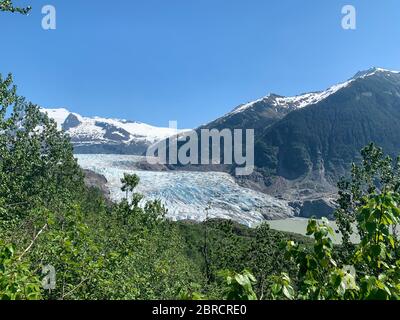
(15, 204)
(7, 5)
(32, 243)
(74, 289)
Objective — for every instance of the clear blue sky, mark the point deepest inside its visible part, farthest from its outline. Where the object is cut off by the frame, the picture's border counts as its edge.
(190, 60)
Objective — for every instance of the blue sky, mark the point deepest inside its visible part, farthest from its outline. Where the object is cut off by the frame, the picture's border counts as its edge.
(190, 60)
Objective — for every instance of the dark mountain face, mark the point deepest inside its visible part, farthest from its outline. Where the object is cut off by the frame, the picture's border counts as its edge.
(328, 136)
(72, 121)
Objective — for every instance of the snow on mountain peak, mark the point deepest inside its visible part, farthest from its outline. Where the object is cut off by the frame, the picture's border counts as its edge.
(295, 102)
(98, 130)
(307, 99)
(373, 71)
(58, 115)
(304, 100)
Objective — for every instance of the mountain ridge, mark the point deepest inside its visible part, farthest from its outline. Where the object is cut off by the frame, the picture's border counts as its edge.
(308, 98)
(263, 112)
(107, 135)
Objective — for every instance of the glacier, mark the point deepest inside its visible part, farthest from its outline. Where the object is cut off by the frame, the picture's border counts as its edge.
(186, 194)
(92, 129)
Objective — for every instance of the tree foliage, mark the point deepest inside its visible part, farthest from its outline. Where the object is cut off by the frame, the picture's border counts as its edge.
(37, 167)
(126, 250)
(370, 202)
(375, 175)
(8, 6)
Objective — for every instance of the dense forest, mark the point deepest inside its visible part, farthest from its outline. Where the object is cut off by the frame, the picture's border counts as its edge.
(61, 240)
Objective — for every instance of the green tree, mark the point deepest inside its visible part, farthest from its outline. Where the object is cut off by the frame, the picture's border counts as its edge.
(369, 202)
(37, 166)
(266, 259)
(239, 286)
(129, 183)
(17, 281)
(376, 268)
(375, 175)
(7, 5)
(48, 217)
(319, 276)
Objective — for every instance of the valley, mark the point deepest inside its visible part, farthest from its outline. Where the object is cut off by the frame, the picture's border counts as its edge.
(303, 145)
(187, 195)
(284, 187)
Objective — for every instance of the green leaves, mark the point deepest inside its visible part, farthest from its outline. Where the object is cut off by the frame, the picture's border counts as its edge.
(37, 166)
(7, 5)
(239, 286)
(282, 287)
(17, 282)
(129, 182)
(376, 174)
(375, 260)
(376, 219)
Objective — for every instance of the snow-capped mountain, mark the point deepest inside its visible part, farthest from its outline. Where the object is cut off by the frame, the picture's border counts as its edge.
(304, 100)
(305, 143)
(103, 135)
(311, 148)
(264, 112)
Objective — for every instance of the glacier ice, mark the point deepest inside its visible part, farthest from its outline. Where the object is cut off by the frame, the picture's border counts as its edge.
(90, 130)
(188, 194)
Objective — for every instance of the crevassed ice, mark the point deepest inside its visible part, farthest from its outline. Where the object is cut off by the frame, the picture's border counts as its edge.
(187, 194)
